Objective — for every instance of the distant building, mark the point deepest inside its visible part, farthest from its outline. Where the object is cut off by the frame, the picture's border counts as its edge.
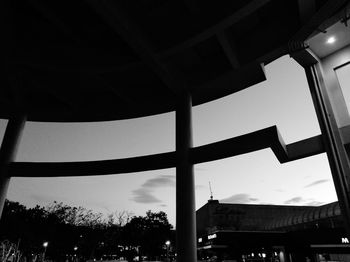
(242, 232)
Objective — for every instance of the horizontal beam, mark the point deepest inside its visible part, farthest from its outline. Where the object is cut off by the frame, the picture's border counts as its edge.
(258, 140)
(92, 168)
(236, 146)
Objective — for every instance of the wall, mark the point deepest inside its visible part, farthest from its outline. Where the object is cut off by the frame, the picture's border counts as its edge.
(329, 64)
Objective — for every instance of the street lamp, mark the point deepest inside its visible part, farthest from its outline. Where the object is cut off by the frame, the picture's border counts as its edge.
(167, 243)
(75, 253)
(45, 244)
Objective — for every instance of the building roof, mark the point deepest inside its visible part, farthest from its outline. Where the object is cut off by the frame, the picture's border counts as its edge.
(95, 60)
(215, 216)
(314, 214)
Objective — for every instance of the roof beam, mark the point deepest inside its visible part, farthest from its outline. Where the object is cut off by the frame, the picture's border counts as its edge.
(228, 45)
(123, 25)
(245, 11)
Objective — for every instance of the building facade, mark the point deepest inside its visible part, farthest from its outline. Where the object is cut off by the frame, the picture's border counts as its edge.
(242, 232)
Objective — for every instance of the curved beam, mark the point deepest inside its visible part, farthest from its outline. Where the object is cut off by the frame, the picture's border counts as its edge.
(92, 168)
(261, 139)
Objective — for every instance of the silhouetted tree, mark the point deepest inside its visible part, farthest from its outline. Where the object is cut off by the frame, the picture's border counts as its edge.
(148, 233)
(66, 227)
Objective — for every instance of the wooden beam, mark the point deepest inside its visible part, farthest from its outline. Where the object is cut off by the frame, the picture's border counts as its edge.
(123, 25)
(228, 45)
(245, 11)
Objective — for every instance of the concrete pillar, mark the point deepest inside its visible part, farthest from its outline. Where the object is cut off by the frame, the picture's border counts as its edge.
(337, 157)
(8, 149)
(185, 190)
(336, 153)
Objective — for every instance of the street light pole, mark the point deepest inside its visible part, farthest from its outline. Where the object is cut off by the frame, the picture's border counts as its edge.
(45, 244)
(75, 253)
(167, 243)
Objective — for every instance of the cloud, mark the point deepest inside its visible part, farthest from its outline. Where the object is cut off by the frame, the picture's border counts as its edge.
(240, 199)
(144, 194)
(280, 190)
(200, 187)
(294, 200)
(303, 201)
(317, 182)
(164, 180)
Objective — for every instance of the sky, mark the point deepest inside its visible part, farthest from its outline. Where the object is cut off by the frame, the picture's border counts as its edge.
(255, 178)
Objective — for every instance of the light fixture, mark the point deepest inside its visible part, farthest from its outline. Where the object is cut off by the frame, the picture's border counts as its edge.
(330, 40)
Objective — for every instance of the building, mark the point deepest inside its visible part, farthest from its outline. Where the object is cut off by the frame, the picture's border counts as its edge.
(242, 232)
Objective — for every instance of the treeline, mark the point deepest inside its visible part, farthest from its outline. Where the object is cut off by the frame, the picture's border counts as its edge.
(76, 233)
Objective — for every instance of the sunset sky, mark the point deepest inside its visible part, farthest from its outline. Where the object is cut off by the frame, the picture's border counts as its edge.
(255, 178)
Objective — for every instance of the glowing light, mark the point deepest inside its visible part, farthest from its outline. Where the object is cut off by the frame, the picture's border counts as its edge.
(212, 236)
(331, 40)
(344, 240)
(45, 244)
(167, 243)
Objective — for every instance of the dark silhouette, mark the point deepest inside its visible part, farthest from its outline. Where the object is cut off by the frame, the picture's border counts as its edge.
(78, 234)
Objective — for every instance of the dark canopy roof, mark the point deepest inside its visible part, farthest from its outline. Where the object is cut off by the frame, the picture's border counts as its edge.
(95, 60)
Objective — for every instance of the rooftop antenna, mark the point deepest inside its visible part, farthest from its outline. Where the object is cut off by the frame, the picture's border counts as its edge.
(211, 192)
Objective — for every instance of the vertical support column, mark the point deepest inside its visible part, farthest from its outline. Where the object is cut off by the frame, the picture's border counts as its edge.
(185, 189)
(338, 161)
(8, 150)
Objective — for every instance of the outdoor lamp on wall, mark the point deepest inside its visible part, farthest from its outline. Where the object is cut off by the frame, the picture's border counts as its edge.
(331, 40)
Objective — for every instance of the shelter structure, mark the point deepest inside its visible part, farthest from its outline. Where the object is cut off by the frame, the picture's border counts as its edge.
(100, 60)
